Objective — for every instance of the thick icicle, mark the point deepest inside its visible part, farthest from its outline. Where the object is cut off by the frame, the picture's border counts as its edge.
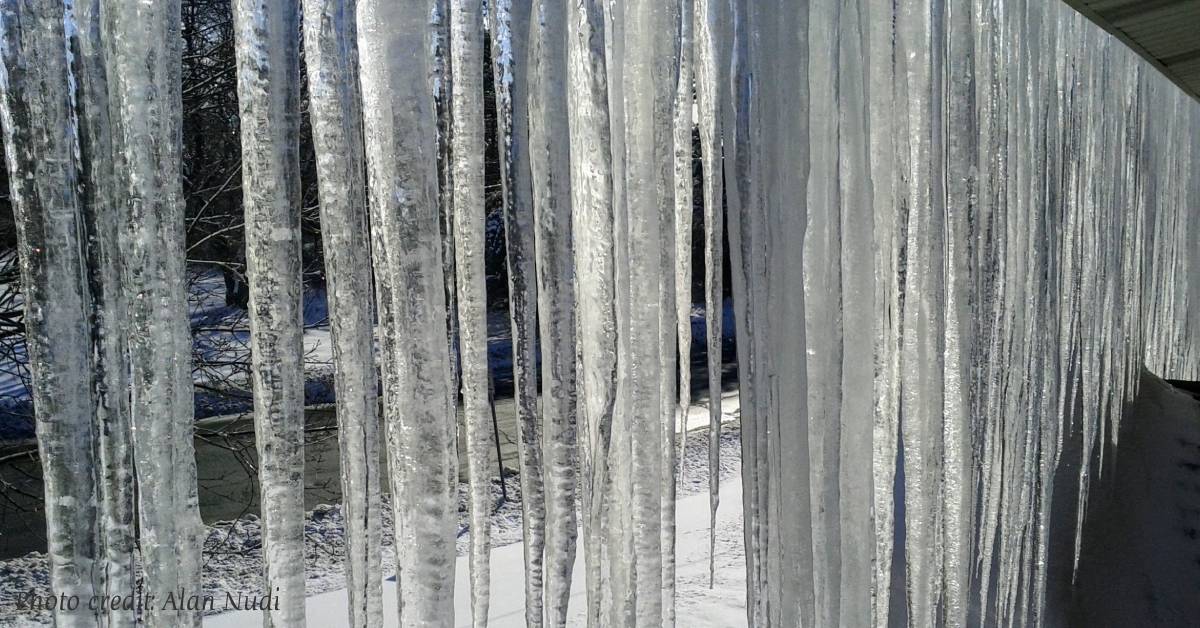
(549, 157)
(102, 221)
(650, 32)
(711, 70)
(401, 138)
(509, 26)
(824, 307)
(466, 152)
(857, 227)
(767, 128)
(268, 57)
(143, 51)
(41, 150)
(331, 52)
(592, 225)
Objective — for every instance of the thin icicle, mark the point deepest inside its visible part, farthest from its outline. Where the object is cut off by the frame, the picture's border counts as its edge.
(921, 353)
(677, 303)
(711, 64)
(466, 138)
(401, 134)
(683, 125)
(549, 157)
(825, 309)
(879, 18)
(442, 79)
(959, 154)
(509, 26)
(331, 51)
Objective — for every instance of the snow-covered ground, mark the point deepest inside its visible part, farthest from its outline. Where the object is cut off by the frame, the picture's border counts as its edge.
(233, 556)
(721, 606)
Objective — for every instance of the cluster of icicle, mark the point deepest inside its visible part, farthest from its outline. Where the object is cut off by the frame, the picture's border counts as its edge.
(958, 230)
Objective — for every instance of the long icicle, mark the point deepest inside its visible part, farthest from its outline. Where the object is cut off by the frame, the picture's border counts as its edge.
(711, 54)
(268, 56)
(114, 452)
(466, 153)
(143, 48)
(401, 134)
(509, 26)
(592, 218)
(856, 508)
(39, 137)
(651, 34)
(550, 166)
(331, 53)
(617, 555)
(886, 310)
(679, 277)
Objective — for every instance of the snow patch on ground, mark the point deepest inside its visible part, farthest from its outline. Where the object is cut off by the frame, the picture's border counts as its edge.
(233, 552)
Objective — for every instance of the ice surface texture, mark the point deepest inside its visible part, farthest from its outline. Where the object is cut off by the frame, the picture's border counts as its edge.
(957, 231)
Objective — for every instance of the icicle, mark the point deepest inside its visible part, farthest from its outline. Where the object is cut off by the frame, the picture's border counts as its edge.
(102, 225)
(684, 108)
(510, 24)
(147, 132)
(330, 41)
(592, 223)
(401, 133)
(40, 137)
(857, 228)
(466, 137)
(824, 308)
(550, 165)
(442, 78)
(268, 89)
(711, 64)
(737, 126)
(886, 313)
(650, 32)
(676, 315)
(959, 154)
(618, 559)
(921, 352)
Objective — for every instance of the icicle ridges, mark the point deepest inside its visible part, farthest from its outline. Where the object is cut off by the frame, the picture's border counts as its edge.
(549, 158)
(509, 26)
(401, 134)
(40, 137)
(592, 224)
(711, 65)
(147, 133)
(958, 231)
(268, 57)
(102, 218)
(466, 152)
(330, 46)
